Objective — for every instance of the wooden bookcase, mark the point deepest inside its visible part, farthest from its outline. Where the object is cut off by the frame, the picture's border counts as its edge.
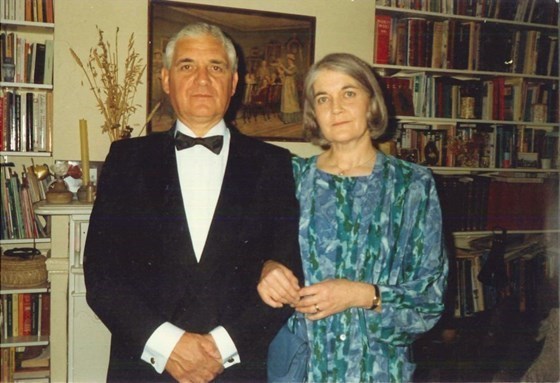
(26, 105)
(26, 97)
(481, 80)
(474, 86)
(25, 330)
(26, 84)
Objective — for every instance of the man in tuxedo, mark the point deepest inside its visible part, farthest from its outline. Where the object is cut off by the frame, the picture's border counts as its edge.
(181, 227)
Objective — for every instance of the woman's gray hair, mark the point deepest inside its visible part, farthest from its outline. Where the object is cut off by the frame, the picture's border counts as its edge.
(197, 30)
(377, 115)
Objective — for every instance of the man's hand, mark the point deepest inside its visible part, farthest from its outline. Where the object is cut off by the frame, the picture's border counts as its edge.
(278, 285)
(194, 359)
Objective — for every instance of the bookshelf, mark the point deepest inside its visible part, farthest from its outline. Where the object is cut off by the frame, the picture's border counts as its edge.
(26, 85)
(473, 86)
(455, 72)
(26, 79)
(24, 343)
(26, 116)
(26, 105)
(26, 125)
(36, 337)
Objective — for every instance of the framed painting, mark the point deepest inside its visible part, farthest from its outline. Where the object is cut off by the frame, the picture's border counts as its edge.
(275, 51)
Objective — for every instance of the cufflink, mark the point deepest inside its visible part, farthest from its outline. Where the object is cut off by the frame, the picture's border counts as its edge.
(231, 360)
(153, 360)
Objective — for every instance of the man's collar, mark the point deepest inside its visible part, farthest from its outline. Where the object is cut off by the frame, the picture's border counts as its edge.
(217, 130)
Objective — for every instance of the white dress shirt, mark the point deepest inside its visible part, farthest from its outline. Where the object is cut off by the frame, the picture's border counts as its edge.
(200, 198)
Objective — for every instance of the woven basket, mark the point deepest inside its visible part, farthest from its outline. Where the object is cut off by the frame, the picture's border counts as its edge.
(23, 273)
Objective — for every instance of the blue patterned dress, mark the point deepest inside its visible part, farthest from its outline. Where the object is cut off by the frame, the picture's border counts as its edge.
(384, 228)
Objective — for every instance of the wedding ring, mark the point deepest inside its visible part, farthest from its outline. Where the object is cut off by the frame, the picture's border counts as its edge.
(317, 309)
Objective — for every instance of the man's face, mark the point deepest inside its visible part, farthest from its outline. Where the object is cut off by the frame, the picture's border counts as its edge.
(199, 82)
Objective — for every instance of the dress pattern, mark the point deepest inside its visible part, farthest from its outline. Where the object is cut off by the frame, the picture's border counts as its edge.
(384, 228)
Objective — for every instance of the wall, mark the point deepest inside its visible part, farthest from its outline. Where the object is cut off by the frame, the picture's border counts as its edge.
(340, 25)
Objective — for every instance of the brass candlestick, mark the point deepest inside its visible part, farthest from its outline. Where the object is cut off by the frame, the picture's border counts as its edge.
(86, 193)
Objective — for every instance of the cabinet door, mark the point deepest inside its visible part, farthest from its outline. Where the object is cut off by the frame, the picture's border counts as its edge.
(89, 340)
(89, 344)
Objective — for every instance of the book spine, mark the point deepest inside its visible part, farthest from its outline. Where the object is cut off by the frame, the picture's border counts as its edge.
(15, 315)
(39, 69)
(16, 189)
(35, 308)
(9, 316)
(45, 314)
(383, 38)
(49, 62)
(3, 119)
(26, 297)
(436, 44)
(29, 139)
(401, 42)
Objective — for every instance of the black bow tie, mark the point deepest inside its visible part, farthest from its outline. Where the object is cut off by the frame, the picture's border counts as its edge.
(213, 143)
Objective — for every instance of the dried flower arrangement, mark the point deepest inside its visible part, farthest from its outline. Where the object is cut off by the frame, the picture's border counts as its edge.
(115, 100)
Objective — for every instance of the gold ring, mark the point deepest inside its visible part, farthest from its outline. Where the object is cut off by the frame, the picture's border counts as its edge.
(317, 309)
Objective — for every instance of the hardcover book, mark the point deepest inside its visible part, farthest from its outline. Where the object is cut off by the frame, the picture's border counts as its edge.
(383, 38)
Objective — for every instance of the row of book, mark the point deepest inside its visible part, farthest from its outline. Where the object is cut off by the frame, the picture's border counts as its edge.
(501, 146)
(421, 144)
(500, 98)
(515, 204)
(25, 314)
(477, 145)
(18, 194)
(41, 11)
(29, 364)
(26, 61)
(530, 11)
(466, 45)
(526, 267)
(26, 120)
(480, 202)
(464, 201)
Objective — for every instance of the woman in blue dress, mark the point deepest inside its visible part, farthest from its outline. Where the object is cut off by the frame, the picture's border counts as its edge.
(370, 235)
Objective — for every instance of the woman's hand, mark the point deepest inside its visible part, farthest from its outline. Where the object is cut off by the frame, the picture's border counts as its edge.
(278, 285)
(332, 296)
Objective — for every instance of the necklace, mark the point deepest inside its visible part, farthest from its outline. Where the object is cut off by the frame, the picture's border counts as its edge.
(342, 172)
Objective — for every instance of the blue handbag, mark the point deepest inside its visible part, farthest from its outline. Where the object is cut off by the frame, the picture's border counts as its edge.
(288, 353)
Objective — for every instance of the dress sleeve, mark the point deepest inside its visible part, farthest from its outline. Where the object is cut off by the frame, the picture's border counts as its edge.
(412, 296)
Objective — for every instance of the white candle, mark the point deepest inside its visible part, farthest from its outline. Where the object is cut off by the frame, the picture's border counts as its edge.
(85, 151)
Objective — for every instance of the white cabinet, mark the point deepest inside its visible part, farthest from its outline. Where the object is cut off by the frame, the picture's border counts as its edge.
(85, 342)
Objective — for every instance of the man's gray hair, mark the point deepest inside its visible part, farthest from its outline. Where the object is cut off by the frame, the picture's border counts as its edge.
(197, 30)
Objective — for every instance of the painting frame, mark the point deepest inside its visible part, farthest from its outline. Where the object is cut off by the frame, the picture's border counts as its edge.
(275, 50)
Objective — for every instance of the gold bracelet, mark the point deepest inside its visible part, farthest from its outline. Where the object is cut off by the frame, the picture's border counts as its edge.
(376, 298)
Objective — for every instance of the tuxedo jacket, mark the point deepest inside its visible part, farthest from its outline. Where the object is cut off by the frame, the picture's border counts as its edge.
(139, 263)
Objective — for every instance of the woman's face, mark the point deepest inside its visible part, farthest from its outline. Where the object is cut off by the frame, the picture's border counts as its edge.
(341, 106)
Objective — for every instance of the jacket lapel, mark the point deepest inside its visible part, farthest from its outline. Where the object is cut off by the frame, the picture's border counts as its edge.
(176, 240)
(233, 204)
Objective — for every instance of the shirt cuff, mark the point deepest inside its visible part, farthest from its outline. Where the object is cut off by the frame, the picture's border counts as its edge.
(225, 345)
(160, 345)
